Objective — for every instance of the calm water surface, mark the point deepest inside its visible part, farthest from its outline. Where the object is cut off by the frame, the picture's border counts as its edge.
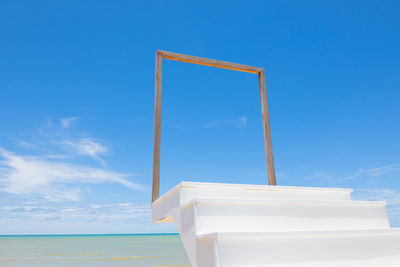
(93, 250)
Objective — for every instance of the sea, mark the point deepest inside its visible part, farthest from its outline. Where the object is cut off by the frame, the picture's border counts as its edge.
(93, 250)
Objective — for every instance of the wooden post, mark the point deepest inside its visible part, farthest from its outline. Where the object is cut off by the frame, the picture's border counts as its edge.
(157, 129)
(218, 64)
(266, 129)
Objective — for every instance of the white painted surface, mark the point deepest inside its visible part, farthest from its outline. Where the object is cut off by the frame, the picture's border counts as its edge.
(260, 225)
(236, 215)
(316, 248)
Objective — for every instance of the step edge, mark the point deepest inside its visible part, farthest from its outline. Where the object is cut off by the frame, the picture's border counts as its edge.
(269, 202)
(261, 186)
(284, 233)
(184, 184)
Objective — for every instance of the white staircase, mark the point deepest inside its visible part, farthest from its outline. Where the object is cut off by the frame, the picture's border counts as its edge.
(260, 225)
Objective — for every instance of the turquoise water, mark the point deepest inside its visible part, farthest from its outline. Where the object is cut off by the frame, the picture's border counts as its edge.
(92, 250)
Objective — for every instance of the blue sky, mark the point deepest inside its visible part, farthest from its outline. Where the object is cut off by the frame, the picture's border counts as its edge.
(77, 102)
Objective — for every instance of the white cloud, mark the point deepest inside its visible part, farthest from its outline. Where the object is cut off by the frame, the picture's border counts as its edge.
(240, 122)
(371, 172)
(87, 147)
(25, 144)
(375, 171)
(66, 122)
(46, 190)
(52, 178)
(72, 218)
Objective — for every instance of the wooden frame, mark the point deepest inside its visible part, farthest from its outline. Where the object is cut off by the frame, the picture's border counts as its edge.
(218, 64)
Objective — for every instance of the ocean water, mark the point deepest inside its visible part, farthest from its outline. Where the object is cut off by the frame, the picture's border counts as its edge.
(93, 250)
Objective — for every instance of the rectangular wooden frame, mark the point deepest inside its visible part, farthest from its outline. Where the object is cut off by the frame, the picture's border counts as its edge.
(218, 64)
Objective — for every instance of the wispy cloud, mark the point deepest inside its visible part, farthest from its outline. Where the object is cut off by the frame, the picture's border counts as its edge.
(83, 212)
(369, 172)
(51, 178)
(47, 184)
(67, 122)
(87, 147)
(61, 218)
(240, 122)
(25, 144)
(50, 170)
(376, 171)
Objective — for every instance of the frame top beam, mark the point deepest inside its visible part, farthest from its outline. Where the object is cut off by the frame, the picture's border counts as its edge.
(209, 62)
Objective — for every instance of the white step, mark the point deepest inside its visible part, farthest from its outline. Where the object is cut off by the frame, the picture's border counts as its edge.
(257, 225)
(300, 248)
(252, 215)
(186, 191)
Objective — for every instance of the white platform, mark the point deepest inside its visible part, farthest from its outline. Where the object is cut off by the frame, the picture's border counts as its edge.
(259, 225)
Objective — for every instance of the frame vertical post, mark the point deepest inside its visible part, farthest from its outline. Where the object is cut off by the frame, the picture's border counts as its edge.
(157, 129)
(266, 129)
